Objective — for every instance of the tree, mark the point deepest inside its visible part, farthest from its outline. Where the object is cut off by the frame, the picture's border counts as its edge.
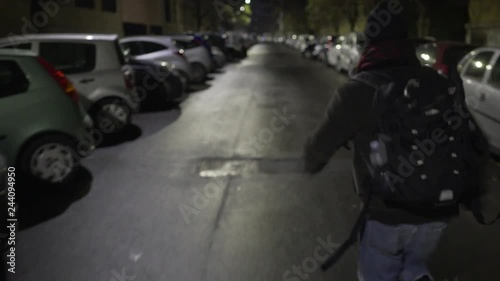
(323, 16)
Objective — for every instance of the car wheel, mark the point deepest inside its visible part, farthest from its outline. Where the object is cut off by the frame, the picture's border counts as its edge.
(111, 115)
(199, 73)
(50, 159)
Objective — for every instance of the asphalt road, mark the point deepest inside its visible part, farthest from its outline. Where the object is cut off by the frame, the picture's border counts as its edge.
(211, 191)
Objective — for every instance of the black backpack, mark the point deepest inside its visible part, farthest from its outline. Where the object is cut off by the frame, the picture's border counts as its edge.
(424, 151)
(423, 125)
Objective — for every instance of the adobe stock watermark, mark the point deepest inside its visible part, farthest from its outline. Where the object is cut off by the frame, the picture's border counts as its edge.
(455, 117)
(266, 135)
(202, 197)
(312, 263)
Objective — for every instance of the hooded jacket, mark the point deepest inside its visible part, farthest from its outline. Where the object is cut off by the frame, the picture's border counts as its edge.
(351, 114)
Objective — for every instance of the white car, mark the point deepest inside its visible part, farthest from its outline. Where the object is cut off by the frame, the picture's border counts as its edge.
(347, 51)
(96, 66)
(480, 71)
(183, 53)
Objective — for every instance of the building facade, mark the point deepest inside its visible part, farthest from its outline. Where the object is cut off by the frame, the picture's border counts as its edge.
(123, 17)
(484, 26)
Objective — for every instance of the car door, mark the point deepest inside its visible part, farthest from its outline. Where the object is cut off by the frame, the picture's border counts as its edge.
(14, 102)
(473, 75)
(490, 103)
(77, 60)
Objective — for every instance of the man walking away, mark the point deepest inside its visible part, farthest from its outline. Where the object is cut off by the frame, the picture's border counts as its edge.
(416, 149)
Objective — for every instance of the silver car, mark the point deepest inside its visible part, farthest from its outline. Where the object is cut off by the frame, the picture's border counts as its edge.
(480, 71)
(97, 68)
(43, 127)
(159, 49)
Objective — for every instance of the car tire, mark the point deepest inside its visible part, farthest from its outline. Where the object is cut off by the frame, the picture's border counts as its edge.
(199, 73)
(50, 159)
(111, 115)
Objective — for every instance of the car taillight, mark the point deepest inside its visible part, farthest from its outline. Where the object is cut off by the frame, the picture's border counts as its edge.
(180, 53)
(129, 81)
(61, 79)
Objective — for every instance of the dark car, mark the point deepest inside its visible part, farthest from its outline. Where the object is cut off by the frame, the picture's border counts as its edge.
(417, 42)
(444, 55)
(156, 83)
(308, 47)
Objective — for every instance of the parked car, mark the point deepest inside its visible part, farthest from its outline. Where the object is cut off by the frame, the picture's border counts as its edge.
(320, 51)
(95, 64)
(157, 83)
(219, 57)
(443, 55)
(218, 45)
(42, 127)
(198, 52)
(417, 42)
(347, 52)
(235, 45)
(308, 47)
(301, 41)
(480, 71)
(190, 58)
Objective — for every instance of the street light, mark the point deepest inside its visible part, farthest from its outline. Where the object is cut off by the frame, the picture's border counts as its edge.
(242, 8)
(248, 1)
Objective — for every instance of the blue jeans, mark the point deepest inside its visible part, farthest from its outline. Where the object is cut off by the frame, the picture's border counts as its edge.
(397, 252)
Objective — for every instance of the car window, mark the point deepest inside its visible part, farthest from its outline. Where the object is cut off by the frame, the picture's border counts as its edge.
(132, 48)
(69, 57)
(477, 66)
(495, 75)
(12, 79)
(427, 54)
(23, 46)
(150, 47)
(182, 44)
(465, 61)
(453, 55)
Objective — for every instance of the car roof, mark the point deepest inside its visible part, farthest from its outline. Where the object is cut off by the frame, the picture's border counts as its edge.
(17, 52)
(181, 37)
(152, 38)
(61, 36)
(494, 49)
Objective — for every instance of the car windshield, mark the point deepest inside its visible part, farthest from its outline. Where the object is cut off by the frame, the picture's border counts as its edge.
(453, 55)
